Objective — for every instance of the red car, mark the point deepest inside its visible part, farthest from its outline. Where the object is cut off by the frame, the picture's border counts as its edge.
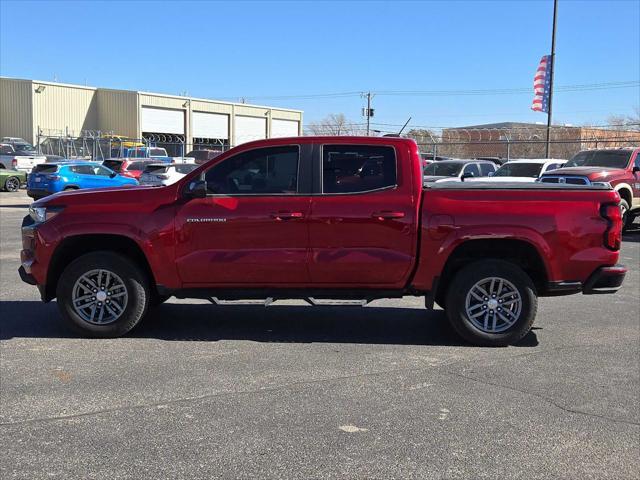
(318, 218)
(620, 167)
(128, 167)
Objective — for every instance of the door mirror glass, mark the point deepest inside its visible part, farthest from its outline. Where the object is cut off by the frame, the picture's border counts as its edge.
(196, 189)
(636, 169)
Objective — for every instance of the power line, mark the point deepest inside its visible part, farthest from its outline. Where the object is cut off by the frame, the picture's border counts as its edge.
(493, 91)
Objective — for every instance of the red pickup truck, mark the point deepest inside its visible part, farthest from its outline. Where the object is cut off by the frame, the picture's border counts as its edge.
(620, 167)
(346, 219)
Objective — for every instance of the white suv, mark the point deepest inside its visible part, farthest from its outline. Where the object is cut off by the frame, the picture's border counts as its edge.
(165, 173)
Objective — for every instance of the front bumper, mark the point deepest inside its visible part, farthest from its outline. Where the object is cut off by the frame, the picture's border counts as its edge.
(605, 280)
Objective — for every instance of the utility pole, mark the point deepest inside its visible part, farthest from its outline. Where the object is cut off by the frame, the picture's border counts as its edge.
(551, 65)
(368, 112)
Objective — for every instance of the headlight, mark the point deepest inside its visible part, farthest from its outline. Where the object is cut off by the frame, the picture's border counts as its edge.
(42, 214)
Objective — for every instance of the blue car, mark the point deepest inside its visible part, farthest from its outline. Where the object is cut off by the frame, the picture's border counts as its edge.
(48, 178)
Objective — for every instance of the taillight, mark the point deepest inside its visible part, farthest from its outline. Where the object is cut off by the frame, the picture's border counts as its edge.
(613, 234)
(14, 163)
(53, 177)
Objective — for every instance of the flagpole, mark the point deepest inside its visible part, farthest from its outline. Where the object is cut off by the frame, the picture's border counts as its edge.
(551, 65)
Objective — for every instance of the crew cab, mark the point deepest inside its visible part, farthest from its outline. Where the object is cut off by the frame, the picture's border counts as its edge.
(620, 167)
(22, 157)
(323, 219)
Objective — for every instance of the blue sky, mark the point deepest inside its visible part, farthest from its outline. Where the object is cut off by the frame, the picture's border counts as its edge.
(257, 50)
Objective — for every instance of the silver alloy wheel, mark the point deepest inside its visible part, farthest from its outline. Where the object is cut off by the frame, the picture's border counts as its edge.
(99, 297)
(12, 184)
(493, 305)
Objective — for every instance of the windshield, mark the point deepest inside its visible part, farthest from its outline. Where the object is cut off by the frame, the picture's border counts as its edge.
(443, 169)
(157, 152)
(115, 165)
(24, 147)
(186, 168)
(519, 170)
(601, 158)
(157, 169)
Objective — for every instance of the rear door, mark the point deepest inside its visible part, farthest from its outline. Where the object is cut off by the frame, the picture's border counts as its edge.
(361, 227)
(251, 229)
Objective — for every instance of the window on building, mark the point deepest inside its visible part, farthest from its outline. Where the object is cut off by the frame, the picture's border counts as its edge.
(263, 171)
(357, 168)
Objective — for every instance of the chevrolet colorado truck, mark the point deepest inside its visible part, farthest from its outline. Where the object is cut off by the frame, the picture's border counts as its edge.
(620, 167)
(324, 219)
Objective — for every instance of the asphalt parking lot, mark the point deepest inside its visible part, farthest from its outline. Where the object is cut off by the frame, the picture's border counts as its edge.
(291, 391)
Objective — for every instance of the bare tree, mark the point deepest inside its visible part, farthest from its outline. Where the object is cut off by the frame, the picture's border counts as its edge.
(626, 122)
(335, 124)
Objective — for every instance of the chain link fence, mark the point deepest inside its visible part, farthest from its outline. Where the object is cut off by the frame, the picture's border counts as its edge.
(521, 142)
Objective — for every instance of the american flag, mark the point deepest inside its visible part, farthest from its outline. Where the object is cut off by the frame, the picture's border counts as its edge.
(542, 85)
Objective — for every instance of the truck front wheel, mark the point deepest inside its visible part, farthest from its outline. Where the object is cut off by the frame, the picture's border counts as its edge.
(102, 294)
(492, 303)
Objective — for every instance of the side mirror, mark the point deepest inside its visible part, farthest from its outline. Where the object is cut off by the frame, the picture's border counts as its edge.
(491, 174)
(467, 175)
(196, 189)
(636, 169)
(113, 175)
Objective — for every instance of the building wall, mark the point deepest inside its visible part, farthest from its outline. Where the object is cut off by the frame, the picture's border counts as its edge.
(16, 109)
(59, 108)
(62, 108)
(118, 112)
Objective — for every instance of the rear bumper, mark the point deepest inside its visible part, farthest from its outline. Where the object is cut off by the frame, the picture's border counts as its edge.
(37, 193)
(605, 280)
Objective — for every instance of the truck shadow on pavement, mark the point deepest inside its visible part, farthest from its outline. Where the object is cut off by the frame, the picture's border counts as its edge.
(274, 324)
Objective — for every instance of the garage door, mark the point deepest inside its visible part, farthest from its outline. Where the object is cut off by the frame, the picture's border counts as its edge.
(162, 120)
(250, 128)
(284, 128)
(210, 125)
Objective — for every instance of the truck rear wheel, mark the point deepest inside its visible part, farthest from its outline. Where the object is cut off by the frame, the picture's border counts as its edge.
(102, 294)
(492, 303)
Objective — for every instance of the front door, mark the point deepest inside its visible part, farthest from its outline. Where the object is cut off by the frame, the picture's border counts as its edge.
(251, 229)
(362, 227)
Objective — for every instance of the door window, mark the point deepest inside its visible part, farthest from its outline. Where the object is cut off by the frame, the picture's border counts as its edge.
(83, 169)
(262, 171)
(486, 169)
(103, 172)
(471, 170)
(357, 168)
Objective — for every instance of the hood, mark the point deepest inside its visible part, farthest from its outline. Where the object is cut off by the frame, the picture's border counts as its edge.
(111, 197)
(593, 173)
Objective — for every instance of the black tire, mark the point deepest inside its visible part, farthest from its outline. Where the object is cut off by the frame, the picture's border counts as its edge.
(12, 184)
(464, 281)
(627, 217)
(134, 280)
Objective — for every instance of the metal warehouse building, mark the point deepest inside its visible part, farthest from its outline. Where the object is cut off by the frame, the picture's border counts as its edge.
(28, 107)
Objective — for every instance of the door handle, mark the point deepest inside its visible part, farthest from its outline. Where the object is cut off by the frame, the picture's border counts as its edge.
(387, 214)
(286, 215)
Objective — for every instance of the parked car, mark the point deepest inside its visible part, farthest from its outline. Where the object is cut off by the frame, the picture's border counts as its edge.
(11, 180)
(428, 158)
(127, 167)
(163, 174)
(16, 159)
(620, 167)
(457, 170)
(272, 219)
(523, 170)
(203, 155)
(50, 178)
